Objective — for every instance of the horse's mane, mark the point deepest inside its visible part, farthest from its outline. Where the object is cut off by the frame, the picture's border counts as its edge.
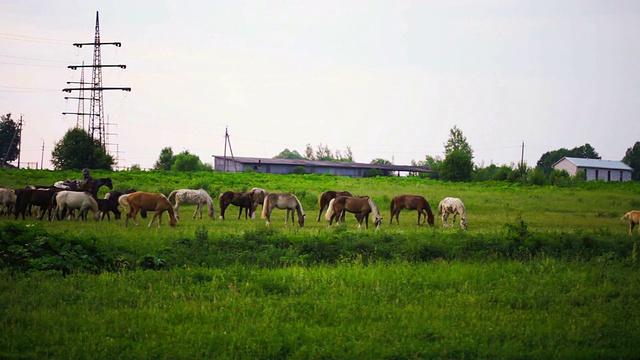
(299, 204)
(374, 208)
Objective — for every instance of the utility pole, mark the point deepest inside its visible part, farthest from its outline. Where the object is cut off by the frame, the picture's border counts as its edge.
(19, 140)
(42, 155)
(522, 156)
(97, 124)
(228, 141)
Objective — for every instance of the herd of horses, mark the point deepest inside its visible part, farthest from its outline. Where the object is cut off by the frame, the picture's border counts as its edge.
(63, 199)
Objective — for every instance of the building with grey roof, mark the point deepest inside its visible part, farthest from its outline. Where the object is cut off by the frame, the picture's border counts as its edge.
(287, 166)
(605, 170)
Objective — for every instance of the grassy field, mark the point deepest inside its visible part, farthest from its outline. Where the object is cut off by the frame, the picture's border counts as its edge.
(542, 272)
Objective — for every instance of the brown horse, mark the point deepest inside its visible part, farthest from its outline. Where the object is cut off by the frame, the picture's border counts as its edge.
(634, 219)
(282, 201)
(158, 203)
(326, 197)
(361, 206)
(411, 202)
(238, 199)
(257, 195)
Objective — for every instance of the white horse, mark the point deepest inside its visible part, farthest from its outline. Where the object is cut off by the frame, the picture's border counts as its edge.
(450, 205)
(7, 200)
(257, 195)
(81, 201)
(282, 201)
(199, 197)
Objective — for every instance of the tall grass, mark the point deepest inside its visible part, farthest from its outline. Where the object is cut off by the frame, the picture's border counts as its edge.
(542, 272)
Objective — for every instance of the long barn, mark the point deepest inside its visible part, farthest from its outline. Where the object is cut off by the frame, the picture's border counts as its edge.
(287, 166)
(595, 169)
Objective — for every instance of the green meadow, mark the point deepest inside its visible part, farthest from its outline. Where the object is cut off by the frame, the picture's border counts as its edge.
(541, 272)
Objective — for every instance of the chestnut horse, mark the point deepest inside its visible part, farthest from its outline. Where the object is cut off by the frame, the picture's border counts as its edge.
(238, 199)
(158, 203)
(326, 197)
(283, 201)
(411, 202)
(361, 206)
(450, 205)
(634, 219)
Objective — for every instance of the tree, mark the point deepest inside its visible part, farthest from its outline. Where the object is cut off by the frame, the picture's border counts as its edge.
(9, 139)
(457, 166)
(458, 160)
(323, 153)
(381, 172)
(549, 158)
(186, 161)
(457, 141)
(632, 158)
(166, 159)
(77, 150)
(288, 154)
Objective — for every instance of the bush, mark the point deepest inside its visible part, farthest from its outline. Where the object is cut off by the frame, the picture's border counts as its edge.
(299, 170)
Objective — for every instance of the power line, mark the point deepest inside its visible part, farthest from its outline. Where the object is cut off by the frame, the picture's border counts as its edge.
(17, 37)
(29, 58)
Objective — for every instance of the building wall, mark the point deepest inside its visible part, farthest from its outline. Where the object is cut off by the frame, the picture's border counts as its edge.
(602, 174)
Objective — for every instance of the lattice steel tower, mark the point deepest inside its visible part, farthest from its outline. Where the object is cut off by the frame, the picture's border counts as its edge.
(97, 123)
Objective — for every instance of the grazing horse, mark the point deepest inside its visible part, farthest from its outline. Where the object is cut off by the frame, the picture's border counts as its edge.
(257, 195)
(283, 201)
(158, 203)
(8, 199)
(76, 200)
(361, 206)
(411, 202)
(634, 219)
(109, 205)
(199, 197)
(326, 197)
(450, 205)
(115, 196)
(238, 199)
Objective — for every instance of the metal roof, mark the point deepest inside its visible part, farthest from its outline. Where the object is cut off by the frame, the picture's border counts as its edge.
(596, 163)
(317, 163)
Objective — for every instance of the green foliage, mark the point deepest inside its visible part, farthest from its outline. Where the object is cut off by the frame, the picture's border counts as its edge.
(323, 153)
(166, 159)
(25, 247)
(537, 177)
(632, 158)
(299, 170)
(559, 178)
(457, 166)
(288, 154)
(457, 142)
(186, 161)
(135, 168)
(9, 139)
(77, 150)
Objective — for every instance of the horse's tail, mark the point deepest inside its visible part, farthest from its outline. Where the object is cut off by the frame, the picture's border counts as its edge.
(440, 208)
(330, 210)
(172, 194)
(265, 204)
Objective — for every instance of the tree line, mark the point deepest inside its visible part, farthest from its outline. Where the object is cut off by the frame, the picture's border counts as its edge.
(77, 150)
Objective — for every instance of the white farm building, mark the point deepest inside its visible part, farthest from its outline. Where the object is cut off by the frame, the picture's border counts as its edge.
(606, 170)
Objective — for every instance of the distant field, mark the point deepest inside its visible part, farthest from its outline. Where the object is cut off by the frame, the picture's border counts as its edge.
(542, 272)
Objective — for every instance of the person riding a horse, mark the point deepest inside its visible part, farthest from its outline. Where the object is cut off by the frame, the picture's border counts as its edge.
(86, 177)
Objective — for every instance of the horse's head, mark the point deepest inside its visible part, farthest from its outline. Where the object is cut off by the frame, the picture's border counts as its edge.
(108, 183)
(430, 219)
(377, 221)
(301, 220)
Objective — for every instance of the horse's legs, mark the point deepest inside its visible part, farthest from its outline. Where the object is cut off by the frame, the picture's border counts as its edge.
(322, 206)
(269, 216)
(445, 216)
(223, 207)
(198, 208)
(155, 215)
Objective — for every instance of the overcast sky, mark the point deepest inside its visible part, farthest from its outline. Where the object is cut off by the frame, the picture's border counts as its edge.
(387, 78)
